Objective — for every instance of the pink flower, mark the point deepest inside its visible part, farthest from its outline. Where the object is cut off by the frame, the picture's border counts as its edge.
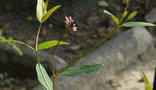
(74, 28)
(69, 23)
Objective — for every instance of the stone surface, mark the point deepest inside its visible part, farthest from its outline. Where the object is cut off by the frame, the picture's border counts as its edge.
(122, 59)
(24, 66)
(151, 16)
(103, 4)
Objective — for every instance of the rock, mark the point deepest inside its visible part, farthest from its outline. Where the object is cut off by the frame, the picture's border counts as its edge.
(24, 66)
(151, 16)
(75, 47)
(103, 4)
(118, 54)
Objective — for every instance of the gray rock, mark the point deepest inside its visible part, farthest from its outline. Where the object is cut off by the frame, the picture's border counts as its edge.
(103, 4)
(117, 54)
(151, 16)
(24, 66)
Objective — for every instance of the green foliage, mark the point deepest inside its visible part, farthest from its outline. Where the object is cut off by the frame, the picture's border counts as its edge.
(132, 15)
(116, 20)
(15, 41)
(124, 14)
(49, 44)
(30, 18)
(86, 69)
(43, 77)
(47, 15)
(10, 44)
(14, 47)
(41, 10)
(146, 81)
(137, 24)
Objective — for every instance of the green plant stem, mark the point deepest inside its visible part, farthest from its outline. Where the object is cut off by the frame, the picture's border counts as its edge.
(95, 46)
(37, 56)
(53, 59)
(37, 37)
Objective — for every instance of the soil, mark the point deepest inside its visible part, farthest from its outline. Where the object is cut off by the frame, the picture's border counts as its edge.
(18, 20)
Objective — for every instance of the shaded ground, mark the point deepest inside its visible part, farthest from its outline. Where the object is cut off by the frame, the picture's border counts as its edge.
(18, 21)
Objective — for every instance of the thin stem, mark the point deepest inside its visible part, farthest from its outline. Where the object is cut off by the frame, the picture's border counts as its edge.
(37, 56)
(95, 46)
(37, 37)
(53, 59)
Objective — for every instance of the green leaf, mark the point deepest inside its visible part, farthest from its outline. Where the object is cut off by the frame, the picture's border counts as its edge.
(48, 14)
(146, 81)
(17, 50)
(39, 10)
(1, 32)
(49, 44)
(43, 77)
(133, 14)
(116, 20)
(46, 5)
(86, 69)
(137, 24)
(124, 14)
(15, 41)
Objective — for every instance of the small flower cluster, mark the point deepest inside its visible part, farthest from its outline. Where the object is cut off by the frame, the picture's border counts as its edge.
(69, 23)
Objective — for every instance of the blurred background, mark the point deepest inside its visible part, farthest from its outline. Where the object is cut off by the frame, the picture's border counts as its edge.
(18, 21)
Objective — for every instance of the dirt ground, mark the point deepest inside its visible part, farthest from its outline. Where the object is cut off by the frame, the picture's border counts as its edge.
(18, 20)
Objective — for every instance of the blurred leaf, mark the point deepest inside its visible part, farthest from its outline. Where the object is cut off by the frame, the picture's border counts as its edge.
(148, 88)
(17, 50)
(43, 77)
(146, 81)
(116, 20)
(124, 14)
(30, 18)
(1, 32)
(10, 44)
(127, 2)
(15, 41)
(48, 14)
(39, 10)
(49, 44)
(86, 69)
(133, 14)
(137, 24)
(46, 5)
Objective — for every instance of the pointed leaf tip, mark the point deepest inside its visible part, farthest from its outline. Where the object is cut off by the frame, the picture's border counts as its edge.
(132, 15)
(51, 11)
(116, 20)
(49, 44)
(86, 69)
(137, 24)
(146, 81)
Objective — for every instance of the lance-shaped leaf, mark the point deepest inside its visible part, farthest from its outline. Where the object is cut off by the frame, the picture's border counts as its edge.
(48, 14)
(1, 32)
(15, 41)
(137, 24)
(39, 10)
(146, 81)
(46, 5)
(49, 44)
(86, 69)
(43, 77)
(116, 20)
(133, 14)
(124, 14)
